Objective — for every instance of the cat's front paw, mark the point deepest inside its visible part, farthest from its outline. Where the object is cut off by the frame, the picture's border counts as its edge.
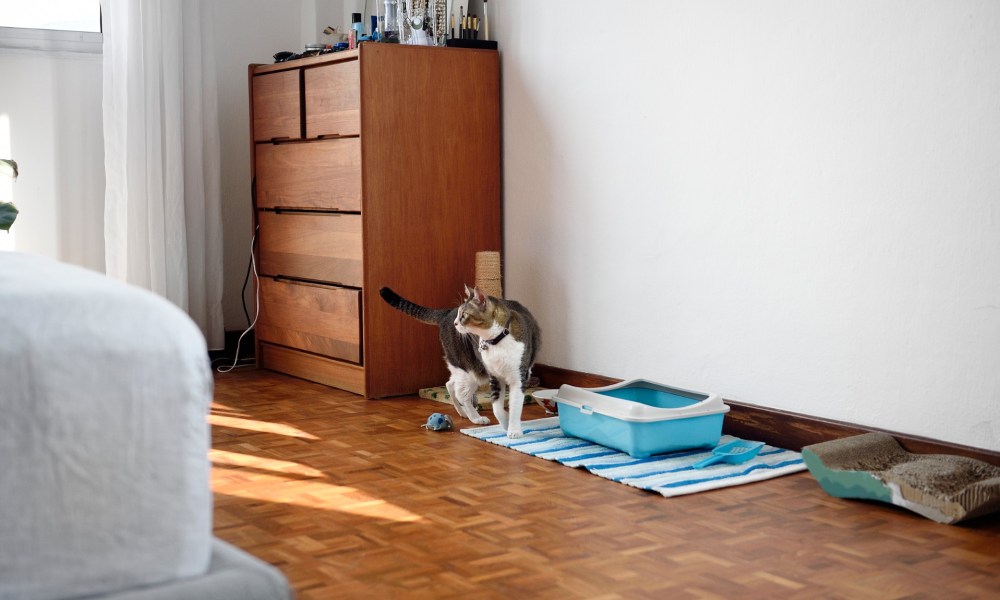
(480, 420)
(514, 433)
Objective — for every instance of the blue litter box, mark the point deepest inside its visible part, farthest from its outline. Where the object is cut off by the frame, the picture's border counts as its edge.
(640, 417)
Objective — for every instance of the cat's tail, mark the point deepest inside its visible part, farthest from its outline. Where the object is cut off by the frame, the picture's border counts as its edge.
(431, 316)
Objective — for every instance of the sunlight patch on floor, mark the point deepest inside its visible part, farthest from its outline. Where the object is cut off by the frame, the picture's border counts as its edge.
(253, 485)
(225, 458)
(259, 426)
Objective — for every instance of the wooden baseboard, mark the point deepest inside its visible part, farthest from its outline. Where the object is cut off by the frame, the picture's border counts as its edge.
(777, 427)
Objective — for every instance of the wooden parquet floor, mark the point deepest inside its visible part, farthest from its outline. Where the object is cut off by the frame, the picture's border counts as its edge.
(353, 499)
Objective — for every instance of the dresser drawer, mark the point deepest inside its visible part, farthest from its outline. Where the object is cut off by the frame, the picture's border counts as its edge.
(333, 99)
(321, 319)
(322, 174)
(318, 246)
(335, 373)
(277, 106)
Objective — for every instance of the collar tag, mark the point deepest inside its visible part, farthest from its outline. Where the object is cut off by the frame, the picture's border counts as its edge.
(484, 345)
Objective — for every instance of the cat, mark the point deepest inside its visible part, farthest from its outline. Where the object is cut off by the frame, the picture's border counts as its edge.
(484, 339)
(460, 353)
(509, 340)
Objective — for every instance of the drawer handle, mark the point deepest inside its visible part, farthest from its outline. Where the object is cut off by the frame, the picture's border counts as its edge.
(275, 140)
(337, 136)
(311, 283)
(285, 210)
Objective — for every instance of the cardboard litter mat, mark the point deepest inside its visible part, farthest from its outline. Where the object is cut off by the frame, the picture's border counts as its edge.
(873, 466)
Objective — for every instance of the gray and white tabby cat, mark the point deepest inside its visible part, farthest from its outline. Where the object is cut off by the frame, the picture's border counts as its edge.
(485, 338)
(460, 353)
(509, 339)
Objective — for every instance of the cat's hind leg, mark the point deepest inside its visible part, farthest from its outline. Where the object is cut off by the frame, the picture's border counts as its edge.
(463, 387)
(466, 396)
(454, 398)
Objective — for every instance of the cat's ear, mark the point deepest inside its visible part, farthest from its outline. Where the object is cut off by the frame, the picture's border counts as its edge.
(468, 291)
(480, 297)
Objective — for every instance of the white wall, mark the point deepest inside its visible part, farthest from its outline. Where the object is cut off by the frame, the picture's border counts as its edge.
(796, 204)
(50, 123)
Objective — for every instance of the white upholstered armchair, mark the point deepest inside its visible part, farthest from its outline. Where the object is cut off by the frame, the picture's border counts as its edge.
(104, 470)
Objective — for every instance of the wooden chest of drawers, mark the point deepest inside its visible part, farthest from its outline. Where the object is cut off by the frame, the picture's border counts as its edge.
(373, 167)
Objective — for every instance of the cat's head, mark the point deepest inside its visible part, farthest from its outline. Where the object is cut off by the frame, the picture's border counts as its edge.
(476, 312)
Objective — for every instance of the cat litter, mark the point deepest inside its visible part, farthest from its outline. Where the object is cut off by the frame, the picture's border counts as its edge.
(640, 417)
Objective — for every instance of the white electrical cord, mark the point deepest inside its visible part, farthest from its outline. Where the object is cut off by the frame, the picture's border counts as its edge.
(256, 310)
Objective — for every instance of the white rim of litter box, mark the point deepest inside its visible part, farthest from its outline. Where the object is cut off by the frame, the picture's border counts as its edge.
(589, 400)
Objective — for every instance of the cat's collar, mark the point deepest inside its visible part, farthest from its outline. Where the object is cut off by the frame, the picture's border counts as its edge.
(484, 345)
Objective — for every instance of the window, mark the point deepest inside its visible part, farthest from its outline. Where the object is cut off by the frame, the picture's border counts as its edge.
(51, 26)
(61, 15)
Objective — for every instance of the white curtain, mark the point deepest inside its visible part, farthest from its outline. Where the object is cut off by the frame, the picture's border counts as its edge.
(162, 216)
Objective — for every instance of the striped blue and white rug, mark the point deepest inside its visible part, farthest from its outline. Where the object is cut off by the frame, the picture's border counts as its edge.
(668, 474)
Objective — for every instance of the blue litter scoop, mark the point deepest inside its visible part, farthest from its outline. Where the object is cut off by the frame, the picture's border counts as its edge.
(734, 453)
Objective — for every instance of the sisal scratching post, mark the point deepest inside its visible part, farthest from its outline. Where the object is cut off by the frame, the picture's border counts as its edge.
(488, 273)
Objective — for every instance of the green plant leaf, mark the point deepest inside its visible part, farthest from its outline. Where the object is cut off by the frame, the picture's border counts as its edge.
(8, 167)
(8, 212)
